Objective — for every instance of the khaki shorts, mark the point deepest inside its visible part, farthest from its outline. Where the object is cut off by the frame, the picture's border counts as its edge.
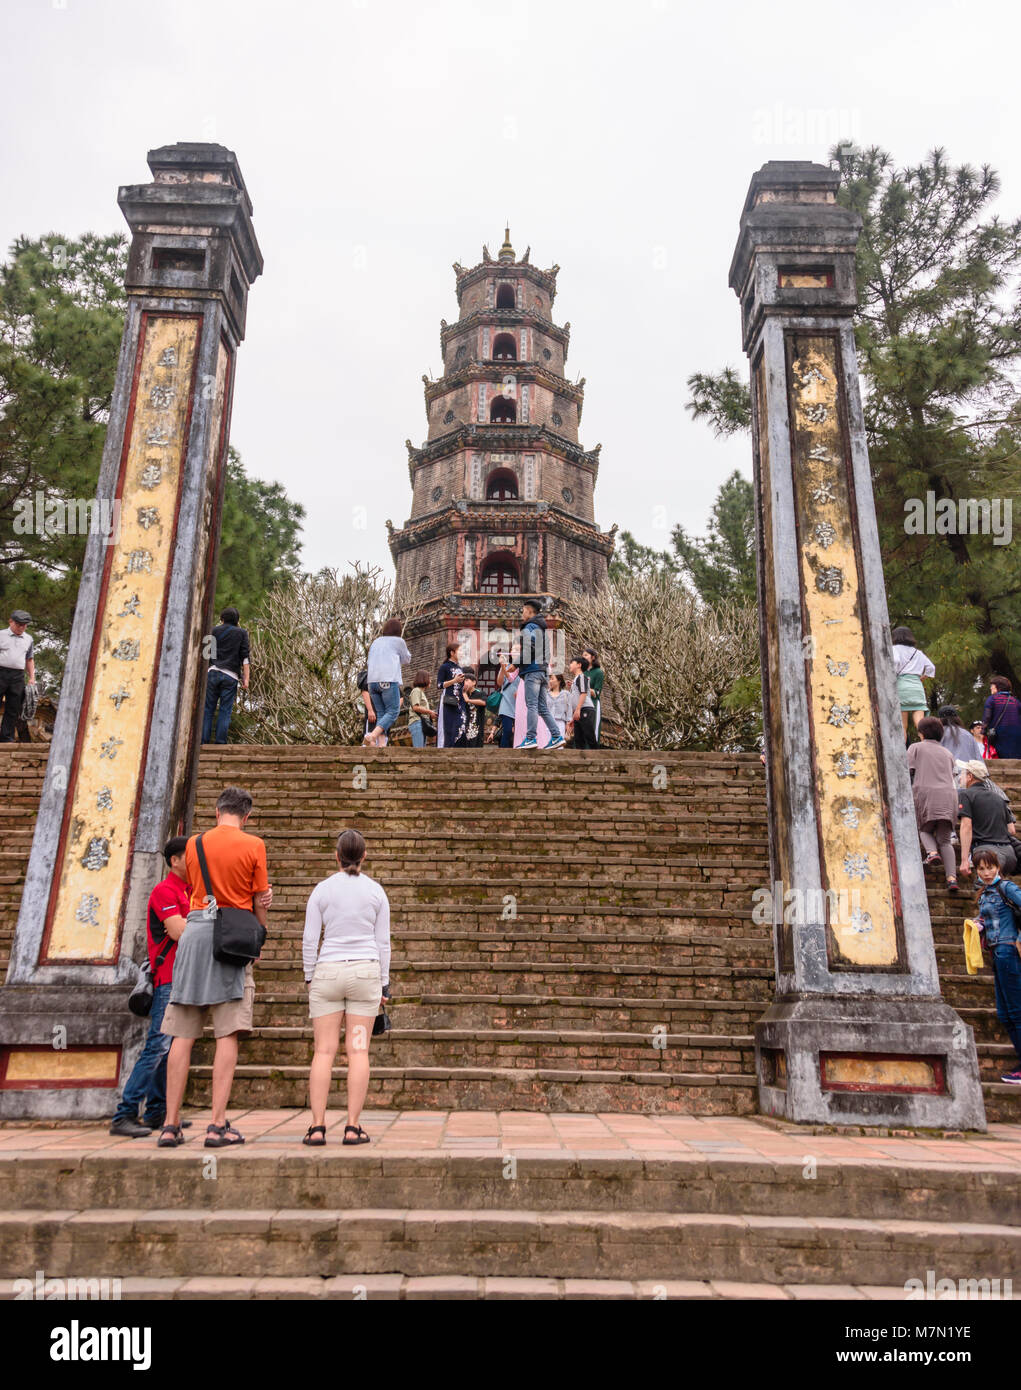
(232, 1016)
(345, 986)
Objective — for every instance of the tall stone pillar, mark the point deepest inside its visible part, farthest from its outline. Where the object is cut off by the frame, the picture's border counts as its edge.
(858, 1032)
(121, 763)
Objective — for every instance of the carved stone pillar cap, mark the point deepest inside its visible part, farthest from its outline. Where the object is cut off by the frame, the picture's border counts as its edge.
(792, 181)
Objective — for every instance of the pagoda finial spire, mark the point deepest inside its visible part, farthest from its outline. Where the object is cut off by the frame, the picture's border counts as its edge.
(507, 250)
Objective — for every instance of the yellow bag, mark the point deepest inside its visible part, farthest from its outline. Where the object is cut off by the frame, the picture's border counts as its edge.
(972, 946)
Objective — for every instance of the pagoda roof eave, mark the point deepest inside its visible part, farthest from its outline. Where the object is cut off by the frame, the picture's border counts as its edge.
(461, 515)
(513, 437)
(523, 270)
(501, 317)
(482, 370)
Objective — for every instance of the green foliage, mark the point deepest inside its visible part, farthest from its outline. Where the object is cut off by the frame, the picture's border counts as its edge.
(260, 539)
(938, 331)
(631, 557)
(62, 306)
(722, 564)
(61, 316)
(722, 400)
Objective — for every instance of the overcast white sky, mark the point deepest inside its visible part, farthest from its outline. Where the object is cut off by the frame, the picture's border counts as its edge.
(383, 139)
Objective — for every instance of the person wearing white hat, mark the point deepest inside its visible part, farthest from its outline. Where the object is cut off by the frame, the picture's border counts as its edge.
(17, 660)
(986, 819)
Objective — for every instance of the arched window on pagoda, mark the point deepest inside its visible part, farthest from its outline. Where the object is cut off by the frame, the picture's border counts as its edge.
(505, 349)
(505, 297)
(503, 411)
(501, 486)
(500, 576)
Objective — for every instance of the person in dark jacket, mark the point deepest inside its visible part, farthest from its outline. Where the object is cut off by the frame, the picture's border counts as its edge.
(228, 667)
(533, 669)
(1001, 718)
(985, 818)
(452, 716)
(999, 909)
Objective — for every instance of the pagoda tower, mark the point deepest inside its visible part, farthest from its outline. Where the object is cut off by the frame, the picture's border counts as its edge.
(502, 491)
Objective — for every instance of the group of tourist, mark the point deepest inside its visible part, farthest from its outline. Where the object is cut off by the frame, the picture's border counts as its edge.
(996, 735)
(531, 706)
(957, 802)
(346, 960)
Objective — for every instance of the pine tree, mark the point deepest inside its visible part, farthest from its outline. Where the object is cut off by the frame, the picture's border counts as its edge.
(62, 305)
(722, 564)
(938, 331)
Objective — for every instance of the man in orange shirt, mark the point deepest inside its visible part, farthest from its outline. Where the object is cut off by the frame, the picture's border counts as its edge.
(202, 984)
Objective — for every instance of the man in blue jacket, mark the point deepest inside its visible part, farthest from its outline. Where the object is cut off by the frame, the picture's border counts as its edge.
(998, 903)
(534, 671)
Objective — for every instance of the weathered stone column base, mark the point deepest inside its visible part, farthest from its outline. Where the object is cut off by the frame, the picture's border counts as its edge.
(868, 1061)
(65, 1054)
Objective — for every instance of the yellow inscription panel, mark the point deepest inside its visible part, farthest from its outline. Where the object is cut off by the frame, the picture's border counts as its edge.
(805, 279)
(885, 1073)
(853, 830)
(91, 882)
(49, 1065)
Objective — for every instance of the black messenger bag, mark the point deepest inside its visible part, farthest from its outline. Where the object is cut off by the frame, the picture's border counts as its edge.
(238, 935)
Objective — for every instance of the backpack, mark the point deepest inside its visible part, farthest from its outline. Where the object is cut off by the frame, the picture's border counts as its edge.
(1015, 910)
(493, 701)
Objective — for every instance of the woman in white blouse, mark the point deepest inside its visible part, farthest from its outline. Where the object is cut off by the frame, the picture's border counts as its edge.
(347, 977)
(911, 665)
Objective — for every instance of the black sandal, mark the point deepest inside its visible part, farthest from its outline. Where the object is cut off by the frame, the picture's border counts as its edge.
(176, 1137)
(360, 1137)
(315, 1129)
(216, 1136)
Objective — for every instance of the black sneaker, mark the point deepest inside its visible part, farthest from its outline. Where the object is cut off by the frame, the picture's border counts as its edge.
(130, 1129)
(159, 1123)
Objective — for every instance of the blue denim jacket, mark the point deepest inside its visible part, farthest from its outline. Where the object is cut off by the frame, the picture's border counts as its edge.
(997, 920)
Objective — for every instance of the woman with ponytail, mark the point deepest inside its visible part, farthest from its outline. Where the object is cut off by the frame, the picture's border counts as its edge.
(347, 976)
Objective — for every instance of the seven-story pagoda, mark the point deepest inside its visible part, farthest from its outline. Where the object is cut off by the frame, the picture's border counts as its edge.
(502, 502)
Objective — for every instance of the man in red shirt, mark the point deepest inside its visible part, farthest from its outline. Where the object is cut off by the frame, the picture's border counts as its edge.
(205, 989)
(167, 914)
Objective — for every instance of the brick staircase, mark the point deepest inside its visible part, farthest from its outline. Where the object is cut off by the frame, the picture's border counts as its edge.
(569, 935)
(280, 1221)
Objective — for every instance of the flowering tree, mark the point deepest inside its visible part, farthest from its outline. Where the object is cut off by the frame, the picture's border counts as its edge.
(309, 640)
(679, 673)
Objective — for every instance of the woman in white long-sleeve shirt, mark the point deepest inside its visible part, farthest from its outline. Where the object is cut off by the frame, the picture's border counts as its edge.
(346, 976)
(388, 653)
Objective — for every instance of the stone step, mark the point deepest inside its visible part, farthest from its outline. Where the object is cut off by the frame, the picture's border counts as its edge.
(543, 1089)
(517, 1048)
(448, 1287)
(554, 1048)
(620, 1245)
(469, 976)
(283, 1008)
(289, 1008)
(286, 1175)
(448, 892)
(555, 944)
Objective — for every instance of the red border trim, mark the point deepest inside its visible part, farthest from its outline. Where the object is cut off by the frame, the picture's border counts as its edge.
(44, 958)
(78, 1084)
